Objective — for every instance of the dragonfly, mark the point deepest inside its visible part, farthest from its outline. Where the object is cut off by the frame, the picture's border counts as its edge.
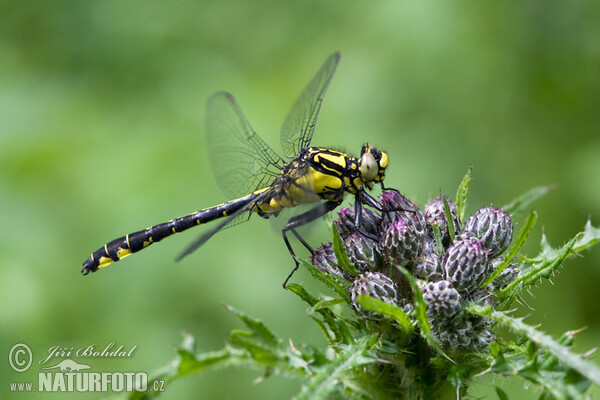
(264, 182)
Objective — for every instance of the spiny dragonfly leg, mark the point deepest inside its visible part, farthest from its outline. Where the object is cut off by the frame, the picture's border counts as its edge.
(298, 221)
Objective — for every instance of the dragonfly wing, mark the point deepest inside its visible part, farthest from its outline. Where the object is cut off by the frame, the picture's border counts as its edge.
(241, 161)
(299, 125)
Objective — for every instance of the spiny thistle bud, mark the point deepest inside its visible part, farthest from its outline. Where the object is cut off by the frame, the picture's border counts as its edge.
(454, 333)
(376, 285)
(463, 333)
(362, 251)
(465, 264)
(493, 226)
(393, 200)
(369, 221)
(400, 243)
(506, 277)
(413, 217)
(443, 301)
(482, 296)
(435, 214)
(429, 264)
(324, 258)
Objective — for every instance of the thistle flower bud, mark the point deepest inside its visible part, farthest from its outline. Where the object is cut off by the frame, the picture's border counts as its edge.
(369, 220)
(414, 217)
(506, 277)
(362, 251)
(464, 333)
(465, 264)
(435, 214)
(493, 226)
(443, 301)
(400, 244)
(376, 285)
(454, 334)
(324, 258)
(429, 264)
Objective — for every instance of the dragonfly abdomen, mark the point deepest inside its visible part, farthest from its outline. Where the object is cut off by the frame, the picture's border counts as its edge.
(133, 242)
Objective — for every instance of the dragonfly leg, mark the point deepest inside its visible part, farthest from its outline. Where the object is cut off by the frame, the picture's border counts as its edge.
(388, 188)
(357, 221)
(297, 222)
(366, 198)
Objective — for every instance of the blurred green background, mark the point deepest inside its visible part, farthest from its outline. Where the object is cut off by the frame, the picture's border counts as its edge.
(101, 134)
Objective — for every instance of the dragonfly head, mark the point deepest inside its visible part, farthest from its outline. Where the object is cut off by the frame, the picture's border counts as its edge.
(372, 165)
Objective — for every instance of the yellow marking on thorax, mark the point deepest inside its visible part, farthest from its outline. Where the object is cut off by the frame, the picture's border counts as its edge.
(339, 159)
(384, 160)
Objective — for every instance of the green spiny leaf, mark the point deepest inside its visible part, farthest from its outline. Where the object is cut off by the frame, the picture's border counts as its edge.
(329, 378)
(525, 200)
(262, 353)
(255, 325)
(547, 267)
(390, 310)
(552, 259)
(575, 361)
(590, 237)
(336, 326)
(462, 194)
(329, 280)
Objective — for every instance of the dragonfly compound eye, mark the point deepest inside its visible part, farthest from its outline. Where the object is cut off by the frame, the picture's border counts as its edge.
(369, 168)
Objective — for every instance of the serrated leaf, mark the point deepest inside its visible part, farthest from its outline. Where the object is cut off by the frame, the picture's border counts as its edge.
(254, 324)
(340, 252)
(590, 237)
(335, 325)
(261, 352)
(330, 281)
(191, 364)
(514, 249)
(551, 261)
(189, 342)
(524, 201)
(329, 378)
(545, 268)
(462, 193)
(575, 361)
(390, 310)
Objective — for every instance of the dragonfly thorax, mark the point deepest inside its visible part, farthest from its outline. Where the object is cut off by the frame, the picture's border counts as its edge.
(323, 174)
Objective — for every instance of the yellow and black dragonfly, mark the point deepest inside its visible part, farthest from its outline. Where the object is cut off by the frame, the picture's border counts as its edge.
(243, 163)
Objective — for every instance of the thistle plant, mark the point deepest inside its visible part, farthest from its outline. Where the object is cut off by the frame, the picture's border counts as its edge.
(415, 314)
